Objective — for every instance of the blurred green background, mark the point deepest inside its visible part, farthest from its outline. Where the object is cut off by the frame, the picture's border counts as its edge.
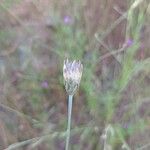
(111, 110)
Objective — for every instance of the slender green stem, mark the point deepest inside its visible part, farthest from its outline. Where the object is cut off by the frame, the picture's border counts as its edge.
(69, 121)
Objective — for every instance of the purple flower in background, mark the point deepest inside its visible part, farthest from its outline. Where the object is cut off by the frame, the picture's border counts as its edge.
(44, 84)
(129, 42)
(67, 20)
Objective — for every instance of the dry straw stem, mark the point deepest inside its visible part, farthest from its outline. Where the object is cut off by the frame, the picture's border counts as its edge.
(16, 18)
(144, 147)
(51, 136)
(112, 27)
(6, 108)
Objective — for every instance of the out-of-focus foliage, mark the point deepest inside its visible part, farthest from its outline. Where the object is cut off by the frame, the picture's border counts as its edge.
(111, 108)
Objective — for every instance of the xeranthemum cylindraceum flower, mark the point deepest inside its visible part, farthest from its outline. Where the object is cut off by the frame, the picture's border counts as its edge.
(72, 72)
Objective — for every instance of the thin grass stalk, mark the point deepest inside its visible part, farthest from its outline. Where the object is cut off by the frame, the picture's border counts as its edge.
(70, 99)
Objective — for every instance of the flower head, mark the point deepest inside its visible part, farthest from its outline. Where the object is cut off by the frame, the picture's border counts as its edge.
(44, 84)
(129, 42)
(72, 72)
(67, 20)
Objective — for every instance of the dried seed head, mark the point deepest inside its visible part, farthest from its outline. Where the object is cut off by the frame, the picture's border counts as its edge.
(72, 72)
